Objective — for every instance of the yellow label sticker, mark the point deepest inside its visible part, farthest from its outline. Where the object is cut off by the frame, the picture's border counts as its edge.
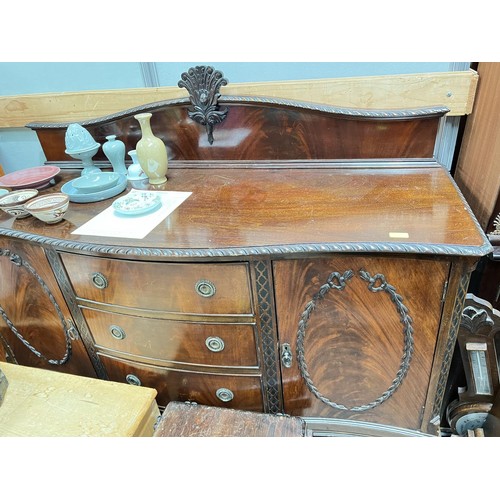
(399, 235)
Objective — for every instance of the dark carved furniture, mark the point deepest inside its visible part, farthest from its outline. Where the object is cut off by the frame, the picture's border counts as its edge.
(478, 343)
(193, 420)
(318, 269)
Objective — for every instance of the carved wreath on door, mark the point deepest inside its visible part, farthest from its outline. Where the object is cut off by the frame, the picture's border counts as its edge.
(377, 283)
(69, 329)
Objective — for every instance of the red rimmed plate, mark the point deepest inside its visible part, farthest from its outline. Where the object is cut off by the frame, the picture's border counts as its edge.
(34, 177)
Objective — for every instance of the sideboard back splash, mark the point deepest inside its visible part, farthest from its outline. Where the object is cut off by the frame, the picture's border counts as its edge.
(263, 130)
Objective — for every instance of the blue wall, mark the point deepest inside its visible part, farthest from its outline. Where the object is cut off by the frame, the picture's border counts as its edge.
(31, 78)
(38, 77)
(169, 73)
(19, 147)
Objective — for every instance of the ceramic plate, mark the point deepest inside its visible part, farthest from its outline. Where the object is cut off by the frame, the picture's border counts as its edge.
(35, 177)
(79, 197)
(137, 203)
(92, 183)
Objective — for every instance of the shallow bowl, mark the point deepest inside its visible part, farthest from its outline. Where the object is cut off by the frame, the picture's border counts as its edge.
(13, 203)
(93, 183)
(49, 208)
(33, 177)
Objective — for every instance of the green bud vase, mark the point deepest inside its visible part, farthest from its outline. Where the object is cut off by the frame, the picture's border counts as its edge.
(151, 152)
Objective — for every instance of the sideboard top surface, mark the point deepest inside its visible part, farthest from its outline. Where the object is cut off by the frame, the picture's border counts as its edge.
(280, 211)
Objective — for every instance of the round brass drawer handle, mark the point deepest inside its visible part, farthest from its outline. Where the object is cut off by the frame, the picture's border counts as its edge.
(99, 281)
(205, 288)
(214, 344)
(132, 379)
(224, 394)
(117, 332)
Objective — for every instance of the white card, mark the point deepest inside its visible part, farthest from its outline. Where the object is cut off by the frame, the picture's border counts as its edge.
(111, 224)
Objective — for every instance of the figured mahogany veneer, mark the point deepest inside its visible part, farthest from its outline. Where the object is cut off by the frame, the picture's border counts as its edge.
(27, 305)
(264, 129)
(245, 211)
(174, 385)
(164, 287)
(166, 341)
(363, 326)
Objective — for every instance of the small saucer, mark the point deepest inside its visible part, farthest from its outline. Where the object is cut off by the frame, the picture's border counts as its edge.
(137, 203)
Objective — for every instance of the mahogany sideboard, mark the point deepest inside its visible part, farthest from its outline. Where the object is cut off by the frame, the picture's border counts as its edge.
(318, 269)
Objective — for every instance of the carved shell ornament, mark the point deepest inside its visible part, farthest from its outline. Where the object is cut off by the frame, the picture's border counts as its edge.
(496, 224)
(203, 84)
(476, 319)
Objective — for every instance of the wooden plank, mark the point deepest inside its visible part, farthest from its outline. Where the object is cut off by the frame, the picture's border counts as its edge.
(478, 166)
(47, 403)
(187, 420)
(453, 89)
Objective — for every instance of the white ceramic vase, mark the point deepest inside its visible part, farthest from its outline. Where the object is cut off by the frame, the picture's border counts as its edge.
(135, 172)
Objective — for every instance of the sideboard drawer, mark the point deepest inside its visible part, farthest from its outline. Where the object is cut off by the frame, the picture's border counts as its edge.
(184, 342)
(228, 391)
(183, 288)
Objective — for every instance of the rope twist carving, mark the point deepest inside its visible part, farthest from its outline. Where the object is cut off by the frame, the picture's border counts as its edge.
(377, 283)
(68, 329)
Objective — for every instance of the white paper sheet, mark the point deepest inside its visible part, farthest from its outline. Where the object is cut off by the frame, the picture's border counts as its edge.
(110, 224)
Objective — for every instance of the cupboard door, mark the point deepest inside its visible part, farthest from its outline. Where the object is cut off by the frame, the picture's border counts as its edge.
(32, 301)
(354, 348)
